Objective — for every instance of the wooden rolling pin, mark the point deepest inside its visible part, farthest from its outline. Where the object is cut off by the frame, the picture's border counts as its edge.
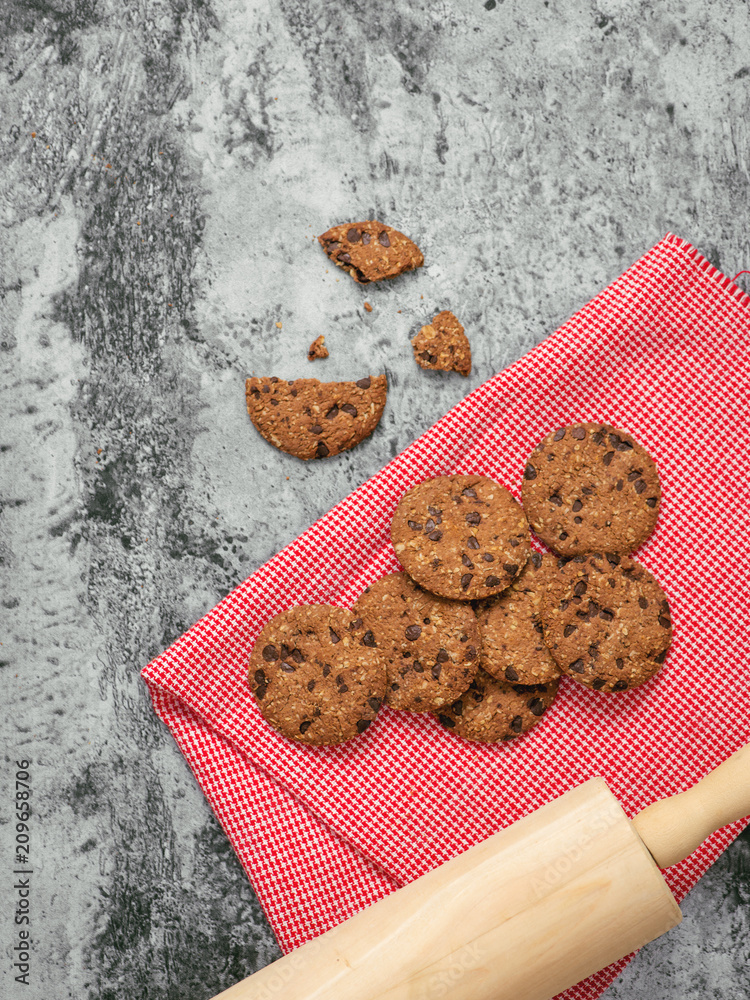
(536, 908)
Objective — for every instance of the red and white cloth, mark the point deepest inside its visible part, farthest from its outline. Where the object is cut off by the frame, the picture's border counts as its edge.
(663, 352)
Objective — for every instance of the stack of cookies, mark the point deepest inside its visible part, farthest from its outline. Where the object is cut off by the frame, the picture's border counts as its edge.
(479, 628)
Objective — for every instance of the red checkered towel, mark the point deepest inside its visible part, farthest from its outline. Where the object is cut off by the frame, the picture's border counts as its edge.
(323, 832)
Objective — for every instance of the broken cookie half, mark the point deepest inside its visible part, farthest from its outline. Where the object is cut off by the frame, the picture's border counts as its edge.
(312, 419)
(370, 250)
(443, 345)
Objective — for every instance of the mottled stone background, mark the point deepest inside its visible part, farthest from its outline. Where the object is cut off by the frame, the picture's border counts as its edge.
(164, 167)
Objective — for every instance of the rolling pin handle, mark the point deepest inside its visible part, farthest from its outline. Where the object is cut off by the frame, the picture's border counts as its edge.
(673, 828)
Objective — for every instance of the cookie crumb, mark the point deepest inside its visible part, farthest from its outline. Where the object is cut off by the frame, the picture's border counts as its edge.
(368, 307)
(442, 345)
(317, 349)
(278, 325)
(370, 250)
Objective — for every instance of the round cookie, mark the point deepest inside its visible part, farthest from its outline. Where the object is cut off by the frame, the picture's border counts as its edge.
(315, 676)
(513, 647)
(463, 537)
(591, 488)
(491, 710)
(429, 644)
(606, 622)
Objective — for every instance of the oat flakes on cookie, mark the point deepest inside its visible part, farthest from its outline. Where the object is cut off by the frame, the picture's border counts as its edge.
(513, 647)
(590, 488)
(317, 349)
(315, 677)
(370, 250)
(443, 345)
(429, 644)
(606, 621)
(312, 419)
(463, 537)
(492, 710)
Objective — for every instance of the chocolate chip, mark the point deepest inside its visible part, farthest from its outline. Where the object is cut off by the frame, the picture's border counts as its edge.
(260, 677)
(619, 663)
(577, 666)
(341, 685)
(635, 474)
(270, 653)
(472, 543)
(311, 685)
(413, 632)
(437, 514)
(577, 505)
(266, 388)
(580, 588)
(597, 437)
(334, 636)
(473, 517)
(469, 492)
(445, 720)
(598, 683)
(326, 669)
(332, 245)
(374, 703)
(665, 622)
(322, 450)
(426, 621)
(362, 724)
(608, 456)
(613, 559)
(368, 639)
(365, 239)
(333, 412)
(442, 656)
(436, 671)
(562, 536)
(316, 429)
(488, 557)
(357, 623)
(624, 446)
(536, 559)
(348, 408)
(559, 435)
(435, 535)
(466, 561)
(569, 630)
(529, 472)
(414, 525)
(516, 724)
(511, 674)
(642, 602)
(363, 383)
(466, 580)
(470, 653)
(640, 486)
(661, 657)
(294, 392)
(347, 259)
(536, 706)
(510, 568)
(353, 236)
(304, 726)
(288, 668)
(651, 502)
(492, 581)
(606, 615)
(620, 686)
(429, 524)
(579, 433)
(383, 239)
(556, 500)
(297, 656)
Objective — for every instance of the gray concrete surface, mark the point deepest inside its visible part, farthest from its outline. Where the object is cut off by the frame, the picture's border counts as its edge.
(165, 165)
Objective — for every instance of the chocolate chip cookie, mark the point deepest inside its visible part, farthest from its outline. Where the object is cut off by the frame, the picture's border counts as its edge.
(317, 349)
(312, 419)
(606, 621)
(463, 537)
(591, 488)
(316, 677)
(370, 250)
(443, 345)
(513, 647)
(430, 645)
(491, 710)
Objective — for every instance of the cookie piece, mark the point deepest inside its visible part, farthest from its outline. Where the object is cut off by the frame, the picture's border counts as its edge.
(606, 621)
(443, 345)
(370, 250)
(429, 644)
(463, 537)
(591, 488)
(513, 647)
(491, 710)
(312, 419)
(315, 678)
(317, 349)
